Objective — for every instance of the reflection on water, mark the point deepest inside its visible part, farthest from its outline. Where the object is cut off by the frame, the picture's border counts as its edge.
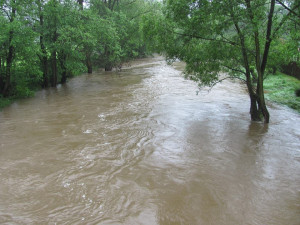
(140, 147)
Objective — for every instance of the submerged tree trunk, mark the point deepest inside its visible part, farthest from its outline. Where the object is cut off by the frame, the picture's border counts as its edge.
(261, 67)
(260, 88)
(261, 62)
(108, 65)
(261, 99)
(254, 111)
(1, 76)
(44, 62)
(64, 77)
(54, 69)
(62, 60)
(88, 62)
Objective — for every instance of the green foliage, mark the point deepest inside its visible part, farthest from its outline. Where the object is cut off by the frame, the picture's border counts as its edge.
(4, 102)
(157, 33)
(232, 36)
(285, 49)
(18, 37)
(281, 88)
(45, 42)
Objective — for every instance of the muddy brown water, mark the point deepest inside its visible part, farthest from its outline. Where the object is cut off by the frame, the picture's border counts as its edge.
(141, 147)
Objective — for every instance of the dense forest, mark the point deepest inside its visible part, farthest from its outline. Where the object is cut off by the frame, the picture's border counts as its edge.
(45, 42)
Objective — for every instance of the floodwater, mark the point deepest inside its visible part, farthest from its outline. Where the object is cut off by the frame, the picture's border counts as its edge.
(141, 147)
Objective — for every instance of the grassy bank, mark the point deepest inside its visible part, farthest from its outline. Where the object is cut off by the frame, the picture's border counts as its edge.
(281, 89)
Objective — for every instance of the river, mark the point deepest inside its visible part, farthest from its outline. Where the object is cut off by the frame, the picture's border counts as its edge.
(142, 147)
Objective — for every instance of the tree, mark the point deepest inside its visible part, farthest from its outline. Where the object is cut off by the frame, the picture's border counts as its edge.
(17, 51)
(286, 55)
(10, 9)
(60, 27)
(43, 54)
(121, 38)
(232, 36)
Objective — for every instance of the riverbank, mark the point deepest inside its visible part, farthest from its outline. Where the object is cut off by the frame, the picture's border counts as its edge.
(4, 102)
(281, 88)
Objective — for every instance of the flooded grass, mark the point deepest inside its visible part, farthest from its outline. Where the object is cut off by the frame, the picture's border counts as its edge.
(281, 88)
(4, 102)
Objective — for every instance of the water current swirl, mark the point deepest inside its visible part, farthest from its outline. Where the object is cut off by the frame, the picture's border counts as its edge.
(141, 147)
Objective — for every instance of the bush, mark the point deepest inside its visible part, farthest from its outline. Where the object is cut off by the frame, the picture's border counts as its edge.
(4, 102)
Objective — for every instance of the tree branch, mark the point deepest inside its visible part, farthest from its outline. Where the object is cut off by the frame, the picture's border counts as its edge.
(7, 14)
(206, 39)
(129, 3)
(234, 69)
(142, 13)
(283, 20)
(225, 78)
(268, 37)
(289, 9)
(217, 82)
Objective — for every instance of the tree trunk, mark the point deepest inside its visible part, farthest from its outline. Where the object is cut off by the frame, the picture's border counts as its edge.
(62, 60)
(43, 58)
(9, 61)
(254, 112)
(54, 37)
(113, 5)
(54, 69)
(89, 64)
(261, 62)
(44, 62)
(1, 76)
(108, 65)
(64, 77)
(80, 2)
(262, 66)
(260, 88)
(10, 55)
(261, 98)
(54, 59)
